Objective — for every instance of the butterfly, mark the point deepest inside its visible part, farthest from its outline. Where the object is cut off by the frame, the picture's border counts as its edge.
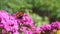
(20, 14)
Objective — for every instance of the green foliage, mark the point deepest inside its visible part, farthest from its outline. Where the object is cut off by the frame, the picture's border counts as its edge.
(38, 20)
(50, 5)
(14, 5)
(44, 5)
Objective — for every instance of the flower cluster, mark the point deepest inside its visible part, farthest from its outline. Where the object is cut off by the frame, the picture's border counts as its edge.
(27, 23)
(8, 23)
(50, 28)
(24, 25)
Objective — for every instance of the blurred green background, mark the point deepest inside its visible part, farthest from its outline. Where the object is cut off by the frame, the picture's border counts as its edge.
(41, 11)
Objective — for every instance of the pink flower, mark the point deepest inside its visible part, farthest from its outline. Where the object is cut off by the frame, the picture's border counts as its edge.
(16, 32)
(26, 30)
(9, 22)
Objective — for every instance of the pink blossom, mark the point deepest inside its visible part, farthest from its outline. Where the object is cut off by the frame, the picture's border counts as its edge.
(9, 22)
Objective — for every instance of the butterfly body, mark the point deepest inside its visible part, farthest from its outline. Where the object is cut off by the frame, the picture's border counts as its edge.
(20, 14)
